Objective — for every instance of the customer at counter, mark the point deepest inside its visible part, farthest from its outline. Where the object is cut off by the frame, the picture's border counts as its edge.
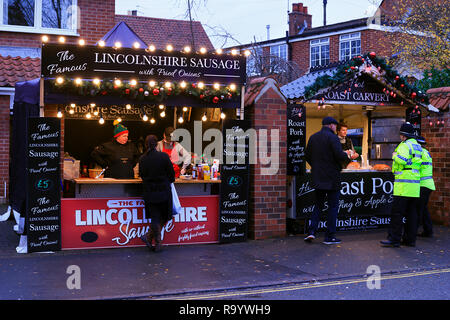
(178, 155)
(118, 156)
(346, 143)
(157, 174)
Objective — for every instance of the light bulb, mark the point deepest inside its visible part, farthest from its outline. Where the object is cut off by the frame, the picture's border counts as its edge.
(202, 50)
(101, 43)
(180, 120)
(136, 45)
(101, 120)
(71, 111)
(201, 85)
(161, 106)
(152, 120)
(187, 49)
(162, 114)
(232, 87)
(185, 109)
(151, 48)
(145, 118)
(59, 80)
(44, 38)
(81, 42)
(61, 39)
(128, 106)
(169, 47)
(96, 81)
(222, 115)
(117, 82)
(118, 44)
(78, 81)
(59, 114)
(88, 115)
(151, 83)
(219, 51)
(183, 84)
(216, 86)
(204, 118)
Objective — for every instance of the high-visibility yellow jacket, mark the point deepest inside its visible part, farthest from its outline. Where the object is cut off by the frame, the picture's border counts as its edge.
(426, 171)
(406, 169)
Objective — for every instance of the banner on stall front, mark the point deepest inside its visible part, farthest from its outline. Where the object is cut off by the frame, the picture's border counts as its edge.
(119, 222)
(365, 200)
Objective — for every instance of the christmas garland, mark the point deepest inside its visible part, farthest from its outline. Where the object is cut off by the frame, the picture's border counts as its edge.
(350, 69)
(155, 93)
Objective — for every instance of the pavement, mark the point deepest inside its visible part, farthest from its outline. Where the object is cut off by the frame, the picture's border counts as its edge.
(136, 273)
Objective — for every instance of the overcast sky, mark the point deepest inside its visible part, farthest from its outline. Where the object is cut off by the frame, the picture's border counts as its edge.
(246, 20)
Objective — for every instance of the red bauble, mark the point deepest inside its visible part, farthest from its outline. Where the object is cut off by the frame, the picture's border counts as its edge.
(141, 89)
(155, 92)
(413, 95)
(372, 54)
(202, 96)
(127, 91)
(215, 99)
(169, 91)
(397, 77)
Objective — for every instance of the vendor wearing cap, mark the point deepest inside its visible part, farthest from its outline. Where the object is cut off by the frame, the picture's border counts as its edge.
(118, 156)
(179, 156)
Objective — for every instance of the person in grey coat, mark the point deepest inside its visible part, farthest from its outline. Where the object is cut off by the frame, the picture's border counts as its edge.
(324, 154)
(156, 171)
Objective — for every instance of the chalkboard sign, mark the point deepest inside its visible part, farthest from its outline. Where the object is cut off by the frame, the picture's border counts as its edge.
(296, 138)
(234, 188)
(365, 200)
(43, 219)
(414, 116)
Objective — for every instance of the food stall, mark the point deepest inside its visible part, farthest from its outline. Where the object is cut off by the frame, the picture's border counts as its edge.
(371, 98)
(82, 90)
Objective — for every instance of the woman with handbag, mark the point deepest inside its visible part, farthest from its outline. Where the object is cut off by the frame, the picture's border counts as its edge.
(156, 171)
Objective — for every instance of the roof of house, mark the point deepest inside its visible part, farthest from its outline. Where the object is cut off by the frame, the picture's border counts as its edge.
(124, 34)
(15, 69)
(161, 32)
(440, 98)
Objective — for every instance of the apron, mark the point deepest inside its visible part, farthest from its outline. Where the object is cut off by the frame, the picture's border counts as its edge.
(169, 152)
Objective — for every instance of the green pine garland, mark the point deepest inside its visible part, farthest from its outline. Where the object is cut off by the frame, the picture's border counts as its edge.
(143, 91)
(347, 71)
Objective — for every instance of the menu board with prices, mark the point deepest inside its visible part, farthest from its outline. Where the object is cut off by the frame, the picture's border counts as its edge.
(234, 188)
(296, 139)
(43, 207)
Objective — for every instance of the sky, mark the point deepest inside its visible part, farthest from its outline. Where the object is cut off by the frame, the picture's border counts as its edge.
(246, 20)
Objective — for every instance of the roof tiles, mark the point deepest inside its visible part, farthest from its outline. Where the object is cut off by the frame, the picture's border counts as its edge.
(16, 69)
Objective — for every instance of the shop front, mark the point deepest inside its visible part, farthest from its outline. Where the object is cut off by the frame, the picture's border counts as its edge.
(83, 91)
(372, 100)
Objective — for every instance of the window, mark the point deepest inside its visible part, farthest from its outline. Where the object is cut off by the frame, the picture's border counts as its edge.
(349, 45)
(254, 61)
(279, 51)
(39, 16)
(320, 52)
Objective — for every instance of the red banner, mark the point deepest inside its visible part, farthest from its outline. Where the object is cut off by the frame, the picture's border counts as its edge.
(119, 222)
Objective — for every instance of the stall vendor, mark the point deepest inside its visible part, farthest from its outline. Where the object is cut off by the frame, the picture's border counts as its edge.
(179, 156)
(346, 143)
(118, 156)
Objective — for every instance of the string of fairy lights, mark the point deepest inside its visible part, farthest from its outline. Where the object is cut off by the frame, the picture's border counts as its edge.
(154, 87)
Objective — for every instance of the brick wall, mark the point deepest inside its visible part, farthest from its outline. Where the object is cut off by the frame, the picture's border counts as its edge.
(4, 144)
(369, 42)
(267, 217)
(96, 19)
(438, 136)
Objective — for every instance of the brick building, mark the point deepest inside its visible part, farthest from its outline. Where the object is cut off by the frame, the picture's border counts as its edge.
(22, 29)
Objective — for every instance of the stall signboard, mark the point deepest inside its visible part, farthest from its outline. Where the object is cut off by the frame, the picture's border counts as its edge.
(365, 200)
(296, 139)
(413, 116)
(362, 90)
(119, 222)
(234, 187)
(130, 63)
(43, 201)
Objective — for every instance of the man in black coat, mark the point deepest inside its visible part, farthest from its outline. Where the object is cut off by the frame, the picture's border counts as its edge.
(156, 171)
(324, 154)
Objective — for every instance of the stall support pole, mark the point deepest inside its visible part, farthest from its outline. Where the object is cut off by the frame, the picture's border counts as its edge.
(41, 97)
(242, 103)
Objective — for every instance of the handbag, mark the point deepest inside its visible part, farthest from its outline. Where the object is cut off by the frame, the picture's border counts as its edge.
(176, 206)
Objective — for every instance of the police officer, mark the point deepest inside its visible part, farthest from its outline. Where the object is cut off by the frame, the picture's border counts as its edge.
(407, 159)
(426, 187)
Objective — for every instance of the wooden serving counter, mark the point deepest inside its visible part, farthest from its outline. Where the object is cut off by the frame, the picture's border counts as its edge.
(109, 187)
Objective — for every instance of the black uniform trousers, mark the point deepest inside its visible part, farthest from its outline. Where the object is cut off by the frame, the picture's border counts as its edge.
(424, 214)
(403, 207)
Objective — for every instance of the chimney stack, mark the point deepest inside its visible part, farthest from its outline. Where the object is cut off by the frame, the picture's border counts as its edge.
(297, 19)
(132, 13)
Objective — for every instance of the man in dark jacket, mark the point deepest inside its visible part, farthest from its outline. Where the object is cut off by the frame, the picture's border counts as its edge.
(157, 173)
(118, 156)
(324, 154)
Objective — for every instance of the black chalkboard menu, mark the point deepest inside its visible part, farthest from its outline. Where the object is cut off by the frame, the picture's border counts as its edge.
(43, 219)
(365, 200)
(234, 187)
(296, 139)
(414, 116)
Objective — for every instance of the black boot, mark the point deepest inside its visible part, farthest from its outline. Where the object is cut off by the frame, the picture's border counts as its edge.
(157, 237)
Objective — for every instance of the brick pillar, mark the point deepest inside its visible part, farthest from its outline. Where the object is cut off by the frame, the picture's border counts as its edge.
(266, 108)
(438, 141)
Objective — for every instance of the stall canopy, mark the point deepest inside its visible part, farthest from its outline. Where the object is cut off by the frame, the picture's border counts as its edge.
(122, 33)
(364, 80)
(26, 105)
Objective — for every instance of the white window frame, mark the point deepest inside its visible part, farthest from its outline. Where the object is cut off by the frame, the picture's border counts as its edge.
(319, 43)
(349, 38)
(37, 28)
(275, 50)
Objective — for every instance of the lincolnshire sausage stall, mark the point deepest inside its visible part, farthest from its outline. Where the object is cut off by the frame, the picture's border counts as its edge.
(372, 99)
(83, 90)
